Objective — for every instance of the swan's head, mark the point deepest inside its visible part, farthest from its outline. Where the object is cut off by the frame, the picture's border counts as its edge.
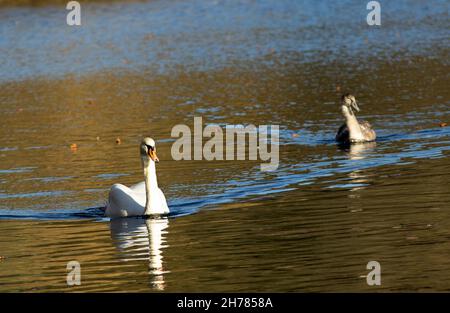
(348, 103)
(148, 150)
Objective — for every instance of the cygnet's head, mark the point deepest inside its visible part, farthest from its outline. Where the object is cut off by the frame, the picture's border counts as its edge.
(148, 150)
(348, 101)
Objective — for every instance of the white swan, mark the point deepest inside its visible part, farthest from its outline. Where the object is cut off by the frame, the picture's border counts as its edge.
(141, 199)
(353, 131)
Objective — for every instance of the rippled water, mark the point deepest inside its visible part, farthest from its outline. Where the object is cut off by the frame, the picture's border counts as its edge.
(310, 226)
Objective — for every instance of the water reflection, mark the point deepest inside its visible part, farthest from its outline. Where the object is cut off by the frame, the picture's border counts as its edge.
(142, 239)
(357, 178)
(358, 151)
(361, 151)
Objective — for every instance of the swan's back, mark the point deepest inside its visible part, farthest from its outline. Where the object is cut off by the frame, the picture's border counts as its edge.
(343, 134)
(124, 201)
(367, 130)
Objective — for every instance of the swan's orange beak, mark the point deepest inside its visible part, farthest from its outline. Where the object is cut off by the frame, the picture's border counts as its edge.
(152, 155)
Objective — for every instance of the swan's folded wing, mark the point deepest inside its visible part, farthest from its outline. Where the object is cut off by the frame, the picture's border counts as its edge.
(123, 201)
(367, 130)
(139, 187)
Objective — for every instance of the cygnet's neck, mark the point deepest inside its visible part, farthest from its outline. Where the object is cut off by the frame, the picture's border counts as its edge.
(354, 129)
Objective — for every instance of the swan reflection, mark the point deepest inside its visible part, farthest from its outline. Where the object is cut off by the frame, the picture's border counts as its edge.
(142, 239)
(360, 151)
(358, 179)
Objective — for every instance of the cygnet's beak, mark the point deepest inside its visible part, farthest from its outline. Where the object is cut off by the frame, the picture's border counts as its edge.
(355, 106)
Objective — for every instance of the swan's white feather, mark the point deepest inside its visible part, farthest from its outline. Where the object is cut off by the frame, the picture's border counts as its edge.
(139, 187)
(126, 201)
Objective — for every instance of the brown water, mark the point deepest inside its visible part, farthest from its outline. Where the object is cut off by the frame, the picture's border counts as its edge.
(312, 225)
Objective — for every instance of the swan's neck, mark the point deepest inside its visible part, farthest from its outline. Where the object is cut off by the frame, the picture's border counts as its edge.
(352, 124)
(151, 183)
